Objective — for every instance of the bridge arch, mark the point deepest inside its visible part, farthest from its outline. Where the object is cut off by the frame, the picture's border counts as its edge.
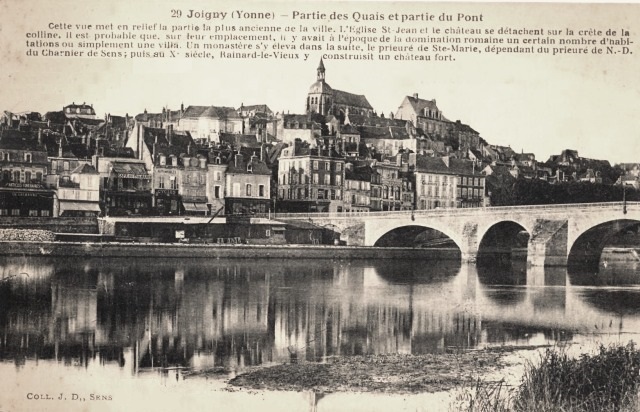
(503, 237)
(585, 251)
(414, 235)
(375, 231)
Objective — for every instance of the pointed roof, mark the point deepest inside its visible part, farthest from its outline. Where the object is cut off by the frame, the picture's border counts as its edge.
(85, 169)
(321, 65)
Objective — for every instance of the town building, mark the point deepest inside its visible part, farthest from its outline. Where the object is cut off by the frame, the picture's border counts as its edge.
(290, 127)
(423, 114)
(23, 167)
(125, 186)
(79, 193)
(357, 188)
(396, 183)
(207, 122)
(79, 111)
(310, 179)
(217, 180)
(248, 183)
(446, 182)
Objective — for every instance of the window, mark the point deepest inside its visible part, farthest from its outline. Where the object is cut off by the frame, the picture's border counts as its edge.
(338, 167)
(16, 176)
(33, 212)
(216, 192)
(4, 212)
(261, 190)
(161, 182)
(15, 212)
(66, 166)
(316, 179)
(327, 179)
(173, 182)
(163, 160)
(248, 189)
(27, 177)
(327, 166)
(39, 176)
(338, 180)
(315, 165)
(27, 158)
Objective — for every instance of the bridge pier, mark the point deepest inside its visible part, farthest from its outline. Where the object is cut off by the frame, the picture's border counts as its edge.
(548, 243)
(469, 243)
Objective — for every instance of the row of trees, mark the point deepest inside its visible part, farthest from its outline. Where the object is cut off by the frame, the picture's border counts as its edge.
(539, 192)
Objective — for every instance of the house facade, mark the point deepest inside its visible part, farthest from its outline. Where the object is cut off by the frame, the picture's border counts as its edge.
(310, 180)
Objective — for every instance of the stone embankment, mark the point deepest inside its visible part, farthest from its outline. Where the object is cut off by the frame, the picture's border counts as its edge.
(26, 235)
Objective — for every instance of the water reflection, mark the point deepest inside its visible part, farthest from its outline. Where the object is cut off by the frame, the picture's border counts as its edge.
(229, 314)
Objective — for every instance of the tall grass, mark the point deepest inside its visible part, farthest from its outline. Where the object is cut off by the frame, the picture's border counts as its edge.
(607, 381)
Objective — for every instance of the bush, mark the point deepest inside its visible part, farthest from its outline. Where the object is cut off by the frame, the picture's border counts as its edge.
(606, 381)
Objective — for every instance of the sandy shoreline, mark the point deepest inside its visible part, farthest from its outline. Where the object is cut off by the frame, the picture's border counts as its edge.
(391, 374)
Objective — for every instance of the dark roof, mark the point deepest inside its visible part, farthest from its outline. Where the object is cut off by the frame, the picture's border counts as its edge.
(240, 140)
(419, 105)
(56, 117)
(259, 108)
(361, 120)
(461, 127)
(239, 166)
(350, 99)
(300, 119)
(85, 169)
(194, 111)
(147, 117)
(179, 141)
(390, 132)
(79, 106)
(348, 129)
(438, 165)
(11, 139)
(361, 173)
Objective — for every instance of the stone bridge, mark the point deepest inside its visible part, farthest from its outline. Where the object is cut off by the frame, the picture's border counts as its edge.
(558, 235)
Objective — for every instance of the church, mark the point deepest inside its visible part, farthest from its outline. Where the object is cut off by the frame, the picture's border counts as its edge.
(324, 100)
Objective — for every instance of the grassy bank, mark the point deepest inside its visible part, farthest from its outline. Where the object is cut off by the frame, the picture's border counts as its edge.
(606, 381)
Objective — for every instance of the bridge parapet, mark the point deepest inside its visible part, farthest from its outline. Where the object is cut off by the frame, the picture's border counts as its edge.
(553, 229)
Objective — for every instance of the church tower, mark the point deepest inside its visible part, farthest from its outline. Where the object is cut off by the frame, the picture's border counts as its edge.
(320, 96)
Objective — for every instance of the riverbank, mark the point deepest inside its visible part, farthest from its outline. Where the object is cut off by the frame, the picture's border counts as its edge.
(179, 250)
(397, 374)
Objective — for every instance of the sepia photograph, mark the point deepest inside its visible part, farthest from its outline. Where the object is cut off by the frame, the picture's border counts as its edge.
(319, 206)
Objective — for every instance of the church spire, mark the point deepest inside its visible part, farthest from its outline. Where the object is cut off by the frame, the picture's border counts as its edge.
(321, 71)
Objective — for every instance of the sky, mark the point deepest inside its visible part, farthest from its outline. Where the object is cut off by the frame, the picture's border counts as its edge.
(538, 104)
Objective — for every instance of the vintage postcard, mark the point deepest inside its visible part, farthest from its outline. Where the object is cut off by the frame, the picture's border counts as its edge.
(316, 206)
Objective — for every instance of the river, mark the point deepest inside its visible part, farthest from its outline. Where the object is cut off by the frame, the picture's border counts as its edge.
(100, 334)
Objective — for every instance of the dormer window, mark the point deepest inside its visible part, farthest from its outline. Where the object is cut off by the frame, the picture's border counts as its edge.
(218, 160)
(250, 168)
(27, 157)
(163, 160)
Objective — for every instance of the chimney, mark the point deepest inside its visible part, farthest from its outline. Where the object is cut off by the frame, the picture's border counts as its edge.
(60, 148)
(39, 137)
(262, 152)
(415, 96)
(189, 149)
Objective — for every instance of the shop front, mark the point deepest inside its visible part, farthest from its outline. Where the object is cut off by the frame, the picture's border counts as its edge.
(167, 202)
(26, 199)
